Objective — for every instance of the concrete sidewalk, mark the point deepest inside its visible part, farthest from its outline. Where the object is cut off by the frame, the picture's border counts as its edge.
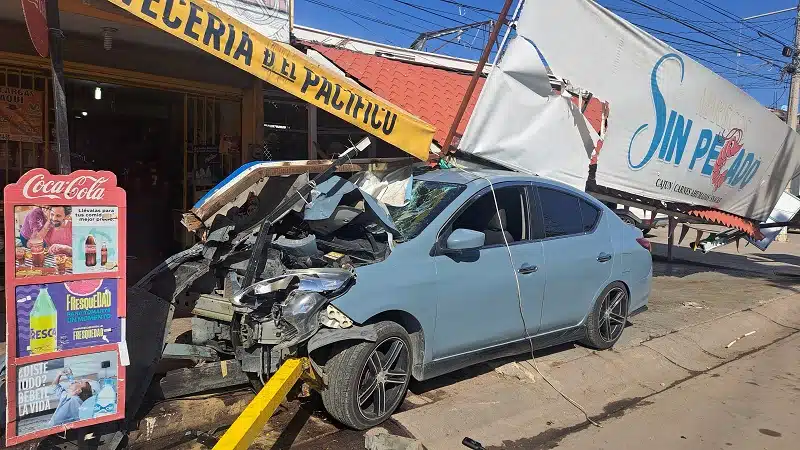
(516, 411)
(748, 403)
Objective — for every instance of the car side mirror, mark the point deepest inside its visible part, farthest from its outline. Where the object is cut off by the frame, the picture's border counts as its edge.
(463, 239)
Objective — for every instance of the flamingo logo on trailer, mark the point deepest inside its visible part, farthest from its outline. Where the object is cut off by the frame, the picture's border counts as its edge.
(84, 187)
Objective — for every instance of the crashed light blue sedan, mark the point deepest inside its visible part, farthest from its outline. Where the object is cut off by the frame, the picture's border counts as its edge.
(474, 266)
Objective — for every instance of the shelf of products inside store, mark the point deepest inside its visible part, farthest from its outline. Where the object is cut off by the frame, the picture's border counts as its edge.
(205, 168)
(208, 164)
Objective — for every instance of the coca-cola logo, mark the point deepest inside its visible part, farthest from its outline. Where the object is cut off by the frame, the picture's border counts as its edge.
(85, 187)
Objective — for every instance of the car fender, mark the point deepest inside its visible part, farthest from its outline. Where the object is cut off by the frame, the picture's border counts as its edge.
(328, 336)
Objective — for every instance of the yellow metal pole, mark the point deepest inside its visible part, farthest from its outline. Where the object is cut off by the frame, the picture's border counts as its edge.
(252, 420)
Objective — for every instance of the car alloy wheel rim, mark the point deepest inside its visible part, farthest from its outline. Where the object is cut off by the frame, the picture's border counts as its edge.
(383, 378)
(612, 314)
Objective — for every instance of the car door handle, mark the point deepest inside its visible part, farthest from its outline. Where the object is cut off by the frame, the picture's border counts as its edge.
(603, 257)
(526, 269)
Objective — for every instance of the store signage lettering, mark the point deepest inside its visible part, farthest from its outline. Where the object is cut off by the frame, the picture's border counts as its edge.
(201, 24)
(78, 188)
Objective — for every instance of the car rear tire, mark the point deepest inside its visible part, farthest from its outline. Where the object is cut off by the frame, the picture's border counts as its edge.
(367, 381)
(608, 317)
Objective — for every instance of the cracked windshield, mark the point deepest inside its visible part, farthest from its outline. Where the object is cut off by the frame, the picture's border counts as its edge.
(428, 199)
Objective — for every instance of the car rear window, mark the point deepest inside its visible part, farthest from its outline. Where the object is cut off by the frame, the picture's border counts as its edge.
(589, 214)
(561, 213)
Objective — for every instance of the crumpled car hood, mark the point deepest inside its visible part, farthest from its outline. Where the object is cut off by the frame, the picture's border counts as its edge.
(249, 194)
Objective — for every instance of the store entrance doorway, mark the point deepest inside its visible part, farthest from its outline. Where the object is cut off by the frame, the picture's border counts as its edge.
(137, 134)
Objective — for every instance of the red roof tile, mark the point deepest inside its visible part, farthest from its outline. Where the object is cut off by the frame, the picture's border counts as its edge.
(430, 93)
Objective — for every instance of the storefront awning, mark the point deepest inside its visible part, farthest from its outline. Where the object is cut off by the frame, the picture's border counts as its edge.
(203, 25)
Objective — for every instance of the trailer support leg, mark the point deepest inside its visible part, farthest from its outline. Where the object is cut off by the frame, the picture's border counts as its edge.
(671, 239)
(252, 420)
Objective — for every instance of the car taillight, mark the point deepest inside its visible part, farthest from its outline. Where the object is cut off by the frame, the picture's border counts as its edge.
(644, 243)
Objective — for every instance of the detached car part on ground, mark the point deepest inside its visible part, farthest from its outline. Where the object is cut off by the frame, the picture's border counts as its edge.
(377, 294)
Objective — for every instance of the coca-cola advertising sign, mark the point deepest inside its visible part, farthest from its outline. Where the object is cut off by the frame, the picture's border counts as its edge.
(85, 187)
(65, 262)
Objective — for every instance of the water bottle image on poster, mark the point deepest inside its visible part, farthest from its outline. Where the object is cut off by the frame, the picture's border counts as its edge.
(61, 316)
(61, 391)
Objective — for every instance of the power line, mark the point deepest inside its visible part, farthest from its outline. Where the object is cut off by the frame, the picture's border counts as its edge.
(413, 33)
(438, 25)
(472, 7)
(687, 23)
(699, 30)
(429, 11)
(706, 17)
(645, 14)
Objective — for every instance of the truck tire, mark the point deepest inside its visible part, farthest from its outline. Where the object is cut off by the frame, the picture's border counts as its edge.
(367, 381)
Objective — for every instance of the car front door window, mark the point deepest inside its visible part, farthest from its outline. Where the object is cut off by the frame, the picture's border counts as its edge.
(505, 219)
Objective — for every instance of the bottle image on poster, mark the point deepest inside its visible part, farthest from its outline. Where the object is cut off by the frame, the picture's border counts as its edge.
(62, 316)
(43, 324)
(95, 240)
(60, 391)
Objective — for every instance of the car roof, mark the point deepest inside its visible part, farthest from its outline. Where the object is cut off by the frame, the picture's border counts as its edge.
(481, 175)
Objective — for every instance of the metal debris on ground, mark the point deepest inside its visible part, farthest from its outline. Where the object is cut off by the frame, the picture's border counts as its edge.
(740, 337)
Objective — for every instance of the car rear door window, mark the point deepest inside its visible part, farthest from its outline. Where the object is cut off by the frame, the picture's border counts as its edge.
(590, 214)
(561, 213)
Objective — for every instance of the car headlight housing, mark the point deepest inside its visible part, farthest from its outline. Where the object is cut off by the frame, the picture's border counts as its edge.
(300, 316)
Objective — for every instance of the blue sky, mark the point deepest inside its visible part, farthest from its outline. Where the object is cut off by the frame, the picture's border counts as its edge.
(716, 35)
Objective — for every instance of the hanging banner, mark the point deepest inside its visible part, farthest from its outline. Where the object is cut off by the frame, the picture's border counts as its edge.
(677, 131)
(21, 115)
(203, 25)
(65, 302)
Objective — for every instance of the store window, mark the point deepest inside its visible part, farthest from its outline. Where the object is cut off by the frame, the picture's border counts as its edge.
(26, 116)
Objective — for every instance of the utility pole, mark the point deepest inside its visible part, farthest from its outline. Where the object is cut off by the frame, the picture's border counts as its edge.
(794, 90)
(59, 97)
(794, 93)
(793, 69)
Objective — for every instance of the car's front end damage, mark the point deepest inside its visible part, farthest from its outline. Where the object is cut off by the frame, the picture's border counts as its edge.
(275, 251)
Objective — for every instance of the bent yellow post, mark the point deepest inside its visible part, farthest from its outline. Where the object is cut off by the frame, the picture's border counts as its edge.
(251, 422)
(205, 26)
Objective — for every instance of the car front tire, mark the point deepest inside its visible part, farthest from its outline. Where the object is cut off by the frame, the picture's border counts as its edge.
(608, 317)
(367, 381)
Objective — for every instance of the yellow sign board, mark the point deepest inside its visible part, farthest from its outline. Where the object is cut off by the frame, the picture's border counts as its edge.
(208, 28)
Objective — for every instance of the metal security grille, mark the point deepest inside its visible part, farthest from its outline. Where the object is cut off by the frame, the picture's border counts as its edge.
(20, 154)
